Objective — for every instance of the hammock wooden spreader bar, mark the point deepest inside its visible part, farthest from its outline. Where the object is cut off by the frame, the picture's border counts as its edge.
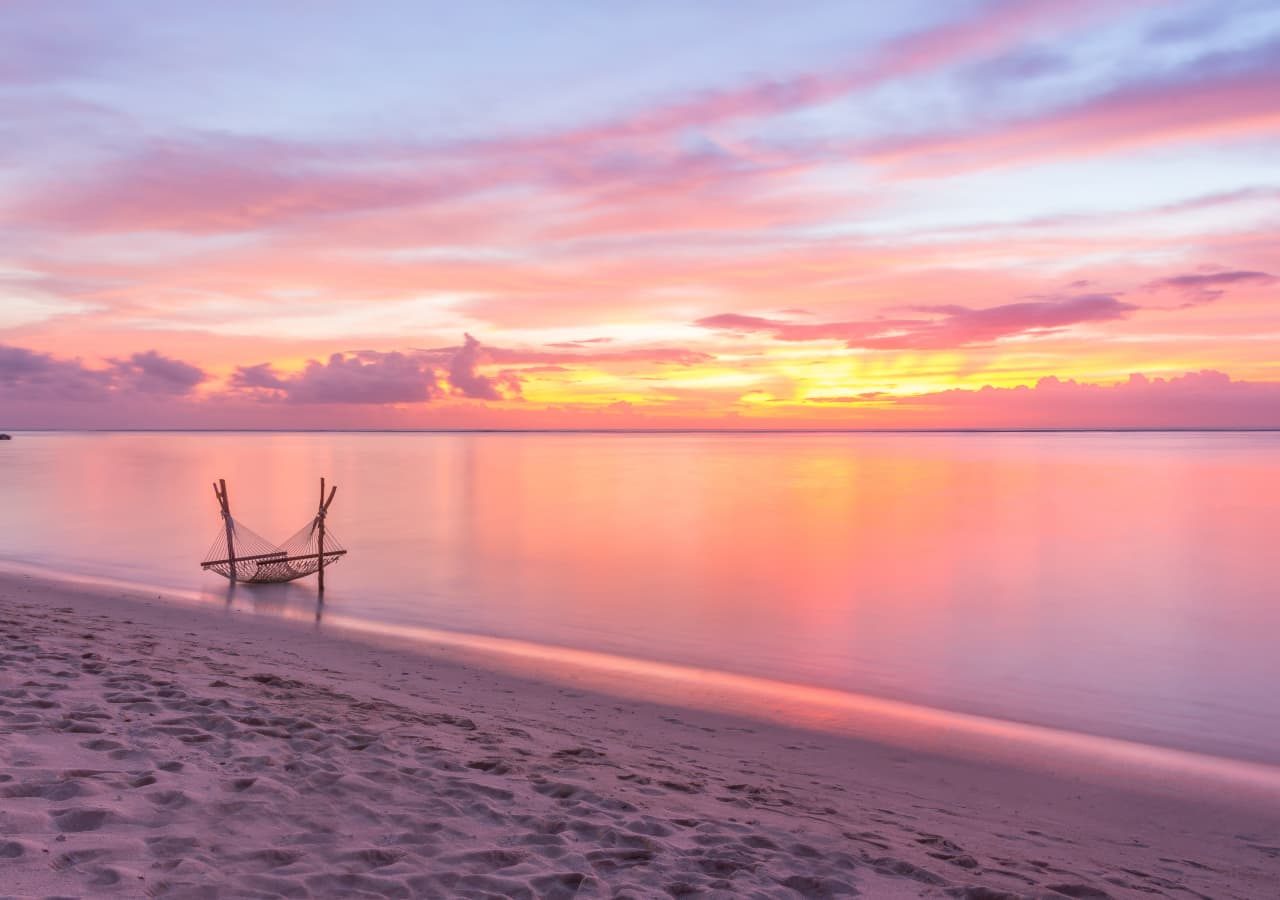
(239, 554)
(329, 555)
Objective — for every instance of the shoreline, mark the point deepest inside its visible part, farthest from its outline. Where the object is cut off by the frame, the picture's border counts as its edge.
(1040, 748)
(434, 771)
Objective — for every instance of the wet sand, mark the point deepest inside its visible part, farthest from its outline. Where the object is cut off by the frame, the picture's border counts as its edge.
(154, 749)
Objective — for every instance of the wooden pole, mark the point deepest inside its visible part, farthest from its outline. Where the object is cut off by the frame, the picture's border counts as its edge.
(221, 491)
(320, 518)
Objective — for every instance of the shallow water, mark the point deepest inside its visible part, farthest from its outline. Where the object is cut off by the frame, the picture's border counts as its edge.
(1117, 584)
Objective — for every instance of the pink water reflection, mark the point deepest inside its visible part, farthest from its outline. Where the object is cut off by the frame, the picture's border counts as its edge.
(1119, 584)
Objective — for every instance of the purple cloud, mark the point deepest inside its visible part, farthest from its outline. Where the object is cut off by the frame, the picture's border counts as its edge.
(1205, 288)
(152, 373)
(366, 377)
(32, 376)
(28, 375)
(1206, 399)
(950, 327)
(261, 376)
(465, 378)
(1021, 64)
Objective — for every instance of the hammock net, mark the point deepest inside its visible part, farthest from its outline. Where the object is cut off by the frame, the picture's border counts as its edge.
(259, 561)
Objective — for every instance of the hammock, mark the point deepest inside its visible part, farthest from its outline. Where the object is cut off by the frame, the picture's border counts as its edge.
(241, 554)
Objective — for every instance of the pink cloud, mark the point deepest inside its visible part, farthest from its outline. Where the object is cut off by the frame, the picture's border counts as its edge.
(43, 377)
(951, 327)
(618, 177)
(363, 378)
(1205, 287)
(214, 186)
(1204, 102)
(737, 204)
(1207, 399)
(993, 25)
(152, 373)
(468, 381)
(220, 184)
(374, 377)
(368, 389)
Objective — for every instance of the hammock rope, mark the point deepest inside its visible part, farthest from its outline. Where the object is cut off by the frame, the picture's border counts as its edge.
(240, 554)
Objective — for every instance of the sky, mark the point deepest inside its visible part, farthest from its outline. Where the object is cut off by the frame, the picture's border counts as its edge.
(725, 214)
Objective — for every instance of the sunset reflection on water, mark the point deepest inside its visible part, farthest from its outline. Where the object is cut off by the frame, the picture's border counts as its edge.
(1118, 584)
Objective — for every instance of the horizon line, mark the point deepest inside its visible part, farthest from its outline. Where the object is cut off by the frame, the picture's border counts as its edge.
(1119, 429)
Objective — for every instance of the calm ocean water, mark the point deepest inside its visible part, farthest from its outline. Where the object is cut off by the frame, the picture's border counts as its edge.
(1118, 584)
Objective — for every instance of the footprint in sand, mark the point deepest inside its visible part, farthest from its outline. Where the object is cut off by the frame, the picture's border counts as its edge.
(75, 820)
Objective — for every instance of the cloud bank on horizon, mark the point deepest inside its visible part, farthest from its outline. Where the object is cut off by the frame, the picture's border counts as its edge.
(1025, 213)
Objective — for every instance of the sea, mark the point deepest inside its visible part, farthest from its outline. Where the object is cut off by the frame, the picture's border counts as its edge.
(1123, 585)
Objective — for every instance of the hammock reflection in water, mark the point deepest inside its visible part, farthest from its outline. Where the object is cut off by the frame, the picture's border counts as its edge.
(287, 600)
(240, 554)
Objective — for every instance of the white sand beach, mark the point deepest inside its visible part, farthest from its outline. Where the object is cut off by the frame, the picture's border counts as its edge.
(154, 749)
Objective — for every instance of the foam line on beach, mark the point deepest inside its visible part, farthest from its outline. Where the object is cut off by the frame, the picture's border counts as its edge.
(858, 715)
(892, 722)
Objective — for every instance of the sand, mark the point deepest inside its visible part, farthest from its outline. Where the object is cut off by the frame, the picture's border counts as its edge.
(154, 749)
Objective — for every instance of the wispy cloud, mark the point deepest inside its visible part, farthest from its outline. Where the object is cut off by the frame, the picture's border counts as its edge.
(949, 327)
(947, 194)
(1205, 287)
(1212, 99)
